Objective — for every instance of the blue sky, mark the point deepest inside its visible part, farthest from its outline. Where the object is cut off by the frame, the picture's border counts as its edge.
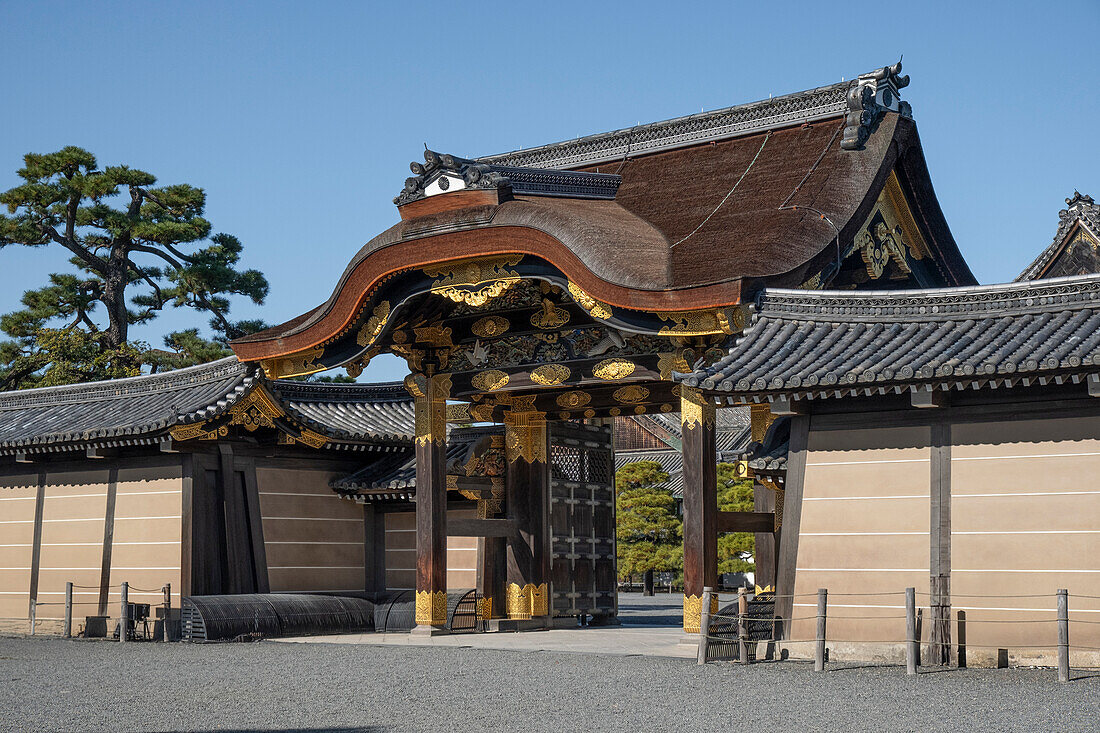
(300, 119)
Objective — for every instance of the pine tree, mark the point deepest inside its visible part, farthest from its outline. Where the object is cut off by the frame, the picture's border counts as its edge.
(648, 533)
(137, 249)
(735, 549)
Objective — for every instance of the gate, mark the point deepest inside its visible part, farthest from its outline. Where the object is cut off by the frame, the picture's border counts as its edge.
(582, 521)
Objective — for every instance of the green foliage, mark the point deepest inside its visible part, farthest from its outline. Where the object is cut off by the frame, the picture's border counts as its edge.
(648, 532)
(734, 495)
(137, 249)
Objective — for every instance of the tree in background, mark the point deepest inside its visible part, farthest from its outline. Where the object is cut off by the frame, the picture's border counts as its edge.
(138, 249)
(648, 532)
(735, 549)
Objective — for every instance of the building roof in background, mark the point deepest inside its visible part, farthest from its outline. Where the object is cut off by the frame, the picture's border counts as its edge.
(819, 343)
(1078, 224)
(143, 410)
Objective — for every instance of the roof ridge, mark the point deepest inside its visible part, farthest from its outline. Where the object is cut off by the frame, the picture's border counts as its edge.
(831, 100)
(110, 388)
(320, 390)
(928, 304)
(1080, 209)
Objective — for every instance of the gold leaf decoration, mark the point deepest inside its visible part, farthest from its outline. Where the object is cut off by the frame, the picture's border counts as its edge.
(590, 413)
(475, 281)
(690, 323)
(550, 374)
(613, 369)
(372, 329)
(489, 380)
(631, 395)
(550, 316)
(431, 607)
(490, 326)
(673, 361)
(573, 399)
(614, 412)
(594, 307)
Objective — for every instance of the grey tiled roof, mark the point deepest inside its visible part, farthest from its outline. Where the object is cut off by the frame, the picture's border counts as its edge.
(394, 477)
(350, 411)
(121, 411)
(141, 410)
(806, 343)
(1079, 209)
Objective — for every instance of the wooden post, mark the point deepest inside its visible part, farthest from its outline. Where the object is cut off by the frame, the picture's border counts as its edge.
(167, 610)
(124, 614)
(430, 408)
(34, 614)
(819, 651)
(742, 631)
(962, 639)
(920, 633)
(704, 626)
(700, 502)
(69, 610)
(910, 630)
(527, 500)
(1063, 635)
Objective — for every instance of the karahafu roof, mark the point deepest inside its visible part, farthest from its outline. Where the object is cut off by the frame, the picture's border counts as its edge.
(142, 410)
(1081, 212)
(817, 344)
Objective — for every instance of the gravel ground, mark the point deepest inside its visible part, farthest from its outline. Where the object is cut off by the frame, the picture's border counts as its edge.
(74, 685)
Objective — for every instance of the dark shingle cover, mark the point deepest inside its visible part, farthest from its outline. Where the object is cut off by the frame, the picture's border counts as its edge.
(824, 343)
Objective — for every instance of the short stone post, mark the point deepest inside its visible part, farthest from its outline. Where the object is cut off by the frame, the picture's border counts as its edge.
(911, 630)
(167, 610)
(69, 610)
(1063, 635)
(704, 626)
(819, 651)
(124, 613)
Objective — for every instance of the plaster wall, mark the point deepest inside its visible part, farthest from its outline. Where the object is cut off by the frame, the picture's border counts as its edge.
(401, 553)
(313, 539)
(864, 530)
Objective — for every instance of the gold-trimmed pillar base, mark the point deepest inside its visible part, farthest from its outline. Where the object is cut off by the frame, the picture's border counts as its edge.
(693, 612)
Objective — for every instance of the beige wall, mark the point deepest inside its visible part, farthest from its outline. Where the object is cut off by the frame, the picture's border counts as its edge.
(146, 540)
(1025, 522)
(17, 498)
(864, 529)
(312, 537)
(401, 553)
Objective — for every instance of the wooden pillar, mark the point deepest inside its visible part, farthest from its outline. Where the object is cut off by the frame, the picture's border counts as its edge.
(430, 407)
(767, 497)
(527, 491)
(787, 557)
(939, 646)
(700, 504)
(492, 552)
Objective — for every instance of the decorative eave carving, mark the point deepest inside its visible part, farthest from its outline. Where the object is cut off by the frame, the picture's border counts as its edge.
(444, 173)
(872, 96)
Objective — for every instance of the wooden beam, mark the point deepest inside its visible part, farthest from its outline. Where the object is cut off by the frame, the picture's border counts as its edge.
(23, 457)
(784, 405)
(940, 543)
(1094, 385)
(469, 527)
(108, 540)
(96, 452)
(792, 519)
(746, 521)
(167, 445)
(927, 397)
